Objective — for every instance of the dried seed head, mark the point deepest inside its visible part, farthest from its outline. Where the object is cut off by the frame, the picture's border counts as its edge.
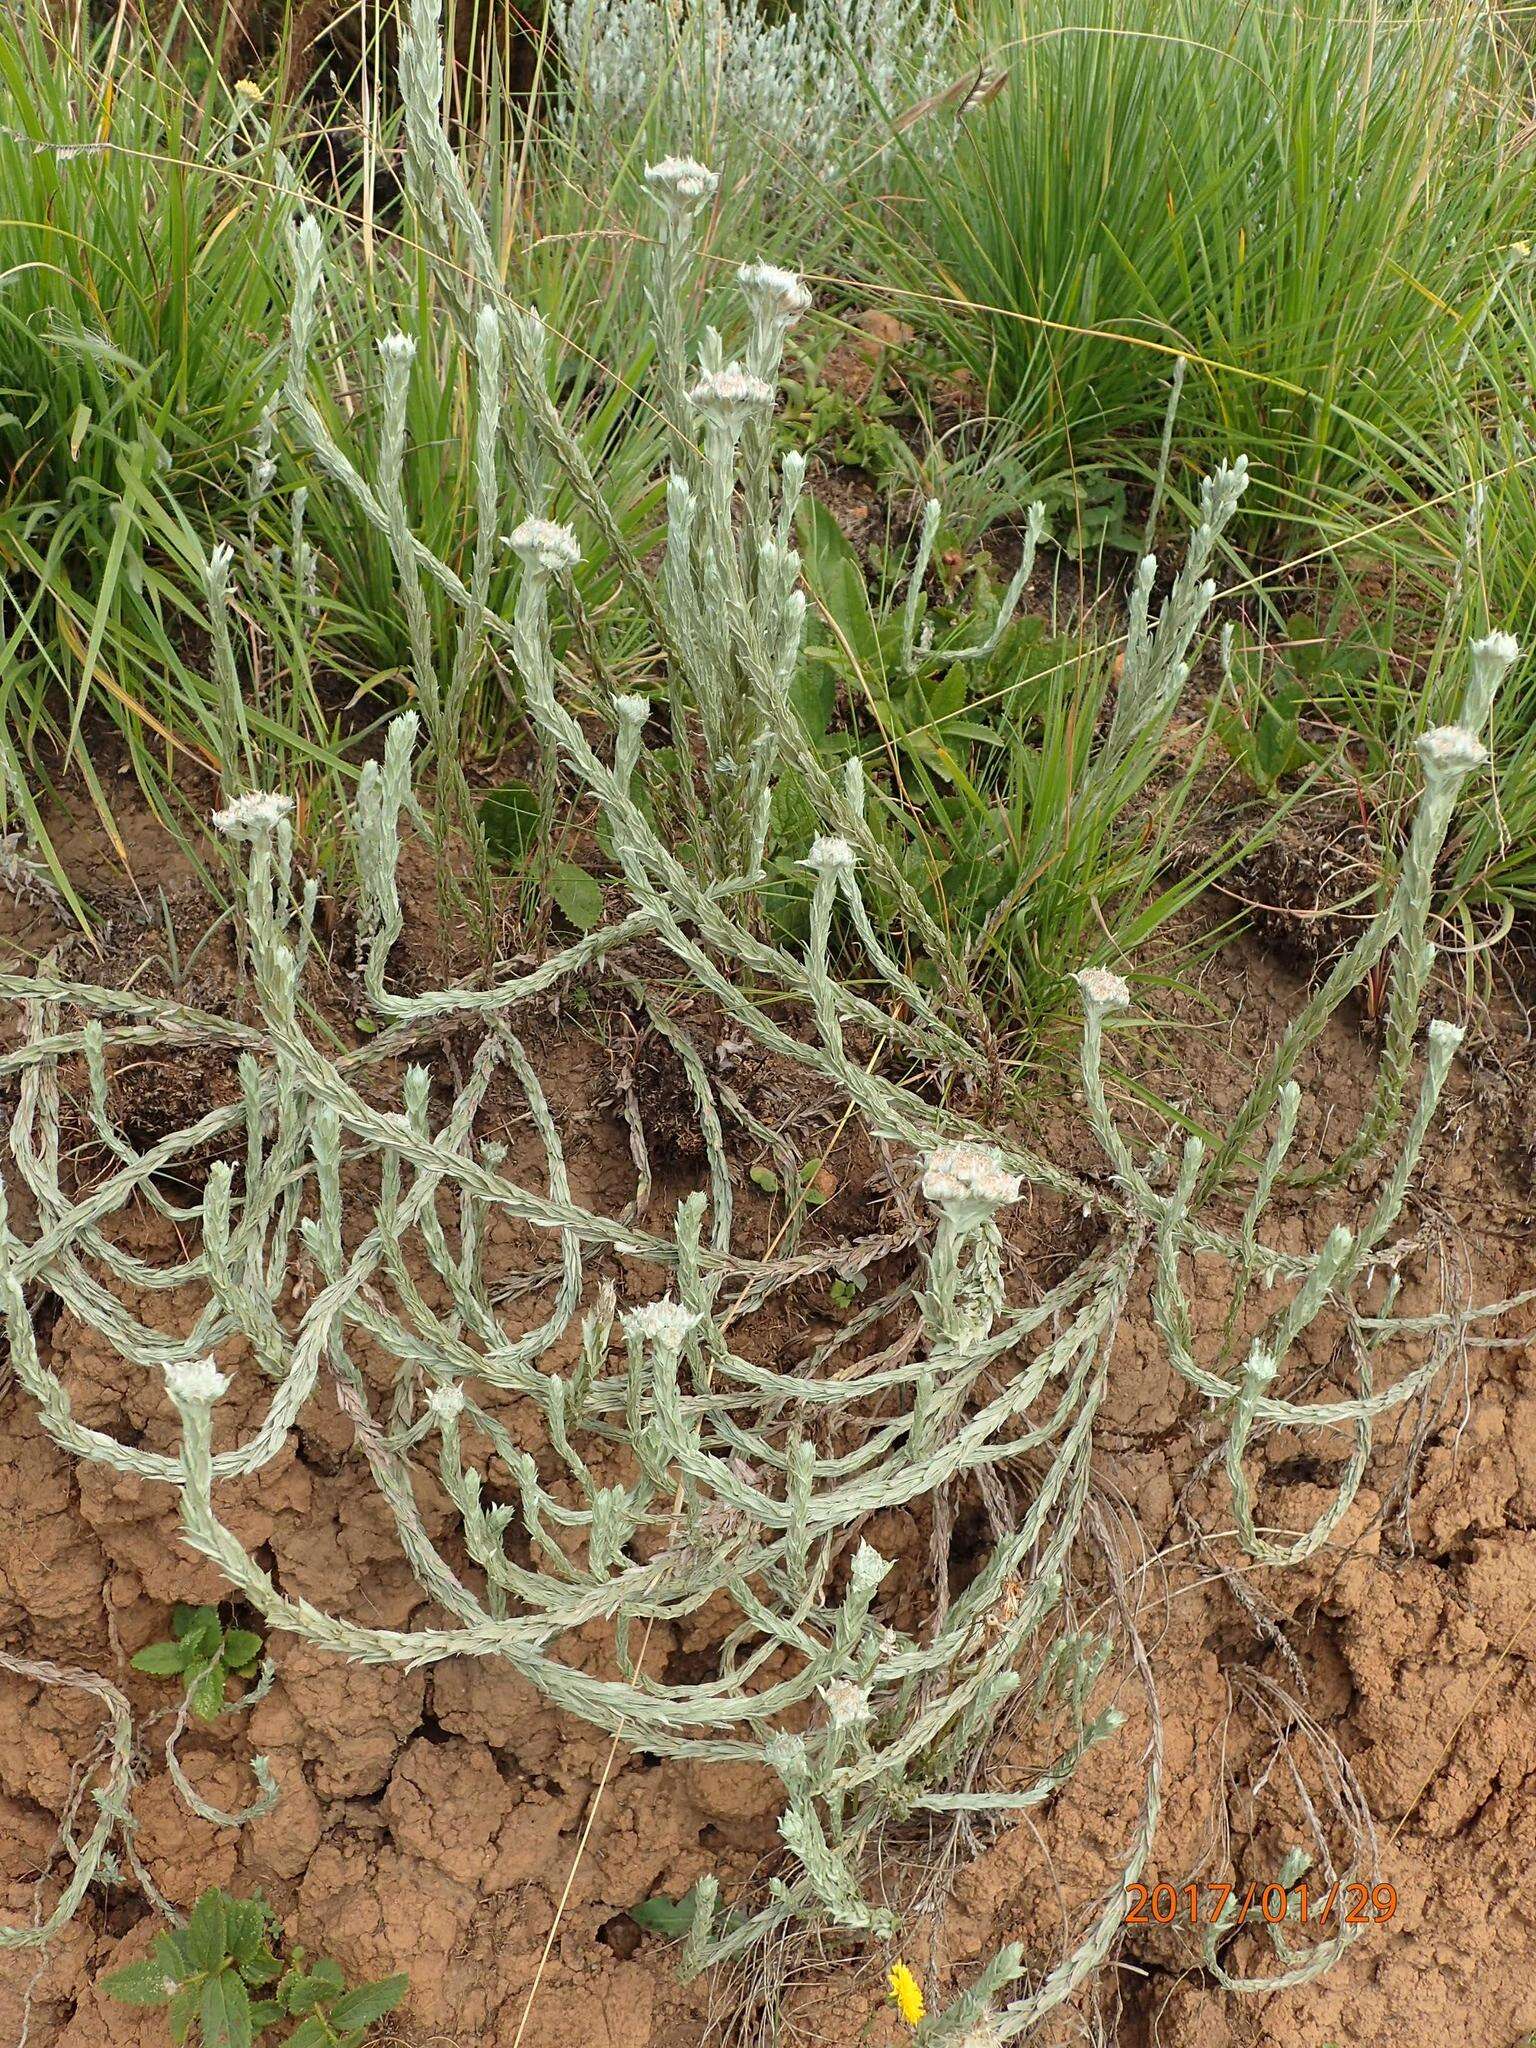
(969, 1176)
(544, 546)
(847, 1704)
(663, 1323)
(730, 397)
(774, 294)
(1451, 750)
(252, 815)
(1102, 990)
(1500, 647)
(681, 183)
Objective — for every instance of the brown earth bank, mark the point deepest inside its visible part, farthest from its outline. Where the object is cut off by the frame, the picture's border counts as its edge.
(450, 1823)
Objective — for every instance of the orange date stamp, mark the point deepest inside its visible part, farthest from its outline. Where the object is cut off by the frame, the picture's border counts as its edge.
(1228, 1905)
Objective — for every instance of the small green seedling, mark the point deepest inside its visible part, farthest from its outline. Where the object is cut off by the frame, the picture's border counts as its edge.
(223, 1984)
(672, 1919)
(206, 1653)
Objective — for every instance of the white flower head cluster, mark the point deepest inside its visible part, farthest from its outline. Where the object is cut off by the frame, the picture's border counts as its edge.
(681, 183)
(397, 347)
(1451, 750)
(969, 1180)
(199, 1382)
(663, 1323)
(1500, 647)
(445, 1401)
(847, 1704)
(830, 855)
(730, 397)
(544, 546)
(252, 815)
(1260, 1366)
(773, 294)
(1103, 990)
(1445, 1036)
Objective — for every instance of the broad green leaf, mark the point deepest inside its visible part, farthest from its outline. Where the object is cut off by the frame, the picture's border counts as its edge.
(578, 894)
(262, 1968)
(813, 692)
(207, 1932)
(309, 2033)
(171, 1952)
(836, 579)
(369, 2002)
(670, 1918)
(242, 1646)
(246, 1924)
(225, 2012)
(198, 1628)
(208, 1693)
(163, 1660)
(304, 1991)
(138, 1984)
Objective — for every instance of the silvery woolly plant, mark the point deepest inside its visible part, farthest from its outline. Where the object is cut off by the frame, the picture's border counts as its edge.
(677, 1471)
(817, 86)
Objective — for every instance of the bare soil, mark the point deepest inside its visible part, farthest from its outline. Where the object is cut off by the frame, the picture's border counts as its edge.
(442, 1822)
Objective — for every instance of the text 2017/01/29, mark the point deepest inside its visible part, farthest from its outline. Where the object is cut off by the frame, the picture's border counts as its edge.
(1209, 1905)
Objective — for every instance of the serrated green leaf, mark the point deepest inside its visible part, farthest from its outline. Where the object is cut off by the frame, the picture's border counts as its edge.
(306, 1989)
(246, 1924)
(163, 1660)
(309, 2033)
(208, 1693)
(138, 1984)
(369, 2002)
(242, 1646)
(206, 1932)
(224, 2014)
(198, 1628)
(262, 1968)
(578, 894)
(264, 2011)
(171, 1953)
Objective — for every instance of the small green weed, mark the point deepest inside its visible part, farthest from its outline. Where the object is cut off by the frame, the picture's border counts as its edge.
(202, 1650)
(223, 1983)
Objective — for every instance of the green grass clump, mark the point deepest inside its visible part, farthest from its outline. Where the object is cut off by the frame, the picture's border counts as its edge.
(1313, 203)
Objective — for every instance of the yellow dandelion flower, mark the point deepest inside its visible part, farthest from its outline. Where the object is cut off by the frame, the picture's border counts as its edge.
(906, 1994)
